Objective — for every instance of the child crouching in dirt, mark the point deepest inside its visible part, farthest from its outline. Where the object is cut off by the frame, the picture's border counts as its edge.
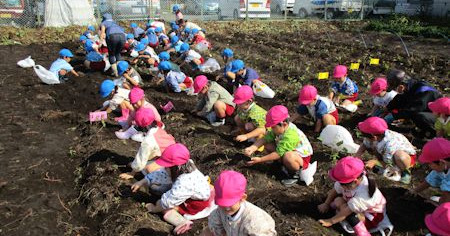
(321, 109)
(251, 118)
(61, 66)
(119, 98)
(215, 102)
(362, 206)
(436, 153)
(235, 215)
(129, 76)
(287, 143)
(137, 99)
(190, 56)
(343, 91)
(174, 81)
(227, 56)
(381, 99)
(241, 75)
(441, 109)
(191, 194)
(94, 59)
(155, 141)
(392, 148)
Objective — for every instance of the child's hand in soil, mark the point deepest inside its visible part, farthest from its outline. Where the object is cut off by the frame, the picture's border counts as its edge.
(135, 187)
(371, 163)
(323, 208)
(253, 161)
(250, 150)
(326, 222)
(126, 176)
(241, 138)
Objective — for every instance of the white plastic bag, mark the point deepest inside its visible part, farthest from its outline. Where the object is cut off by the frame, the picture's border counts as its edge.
(261, 89)
(202, 46)
(26, 63)
(210, 66)
(308, 175)
(338, 138)
(45, 75)
(107, 64)
(134, 53)
(350, 107)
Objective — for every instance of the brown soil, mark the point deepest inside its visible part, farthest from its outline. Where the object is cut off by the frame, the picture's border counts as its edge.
(60, 173)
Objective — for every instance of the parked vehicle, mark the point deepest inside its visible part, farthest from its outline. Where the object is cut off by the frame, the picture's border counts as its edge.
(21, 12)
(237, 8)
(305, 8)
(128, 9)
(280, 6)
(194, 7)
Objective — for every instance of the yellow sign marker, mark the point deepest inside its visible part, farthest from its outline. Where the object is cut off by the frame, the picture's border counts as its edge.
(374, 61)
(323, 75)
(354, 66)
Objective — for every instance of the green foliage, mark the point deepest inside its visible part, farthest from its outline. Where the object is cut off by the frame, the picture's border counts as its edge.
(404, 25)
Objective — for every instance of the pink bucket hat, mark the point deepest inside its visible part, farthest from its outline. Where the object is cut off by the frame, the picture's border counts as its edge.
(136, 94)
(174, 155)
(276, 115)
(307, 94)
(438, 222)
(373, 125)
(339, 71)
(243, 94)
(230, 187)
(441, 105)
(347, 170)
(378, 86)
(199, 83)
(144, 117)
(435, 150)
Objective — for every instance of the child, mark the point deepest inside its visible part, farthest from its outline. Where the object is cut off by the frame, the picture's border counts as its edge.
(153, 24)
(391, 147)
(441, 109)
(250, 117)
(90, 33)
(343, 88)
(153, 40)
(176, 81)
(197, 37)
(243, 75)
(129, 76)
(162, 38)
(381, 99)
(185, 36)
(94, 60)
(146, 55)
(287, 143)
(138, 32)
(137, 99)
(155, 141)
(119, 98)
(362, 204)
(176, 10)
(190, 56)
(321, 109)
(190, 193)
(61, 66)
(175, 44)
(439, 221)
(131, 43)
(235, 215)
(174, 31)
(215, 102)
(436, 153)
(165, 56)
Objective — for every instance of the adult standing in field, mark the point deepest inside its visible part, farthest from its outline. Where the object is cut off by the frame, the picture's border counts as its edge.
(115, 39)
(412, 101)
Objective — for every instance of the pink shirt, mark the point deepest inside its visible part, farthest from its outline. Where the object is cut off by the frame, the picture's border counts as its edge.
(178, 16)
(149, 106)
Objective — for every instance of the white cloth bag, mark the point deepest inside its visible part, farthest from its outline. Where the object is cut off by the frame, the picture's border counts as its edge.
(261, 89)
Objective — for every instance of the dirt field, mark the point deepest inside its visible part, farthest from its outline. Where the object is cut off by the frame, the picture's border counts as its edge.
(60, 173)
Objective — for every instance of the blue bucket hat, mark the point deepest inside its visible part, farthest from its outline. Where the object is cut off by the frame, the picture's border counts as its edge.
(187, 30)
(175, 27)
(158, 30)
(227, 53)
(151, 31)
(194, 31)
(184, 47)
(174, 39)
(91, 28)
(83, 37)
(133, 25)
(65, 53)
(164, 56)
(122, 66)
(144, 41)
(130, 36)
(172, 23)
(175, 8)
(140, 47)
(237, 65)
(106, 88)
(164, 65)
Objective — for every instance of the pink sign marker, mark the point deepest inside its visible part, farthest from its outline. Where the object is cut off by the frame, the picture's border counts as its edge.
(168, 107)
(97, 116)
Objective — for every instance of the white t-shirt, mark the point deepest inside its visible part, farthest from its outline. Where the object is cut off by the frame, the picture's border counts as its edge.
(384, 101)
(391, 143)
(358, 199)
(191, 55)
(118, 98)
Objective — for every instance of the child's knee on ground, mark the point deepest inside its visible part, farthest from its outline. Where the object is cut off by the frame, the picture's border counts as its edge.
(402, 160)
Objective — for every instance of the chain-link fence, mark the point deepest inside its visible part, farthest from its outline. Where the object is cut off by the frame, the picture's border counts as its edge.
(31, 12)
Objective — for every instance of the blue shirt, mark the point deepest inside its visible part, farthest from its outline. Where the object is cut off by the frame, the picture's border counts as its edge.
(322, 107)
(347, 88)
(152, 39)
(439, 180)
(112, 28)
(177, 46)
(226, 69)
(60, 64)
(138, 31)
(248, 77)
(174, 79)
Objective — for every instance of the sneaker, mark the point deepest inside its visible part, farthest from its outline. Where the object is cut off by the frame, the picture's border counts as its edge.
(218, 122)
(406, 178)
(289, 182)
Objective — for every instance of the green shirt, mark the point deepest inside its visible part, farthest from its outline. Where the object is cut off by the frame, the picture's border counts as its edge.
(443, 125)
(255, 115)
(215, 93)
(293, 139)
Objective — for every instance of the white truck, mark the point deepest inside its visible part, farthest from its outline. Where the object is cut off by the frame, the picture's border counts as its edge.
(278, 7)
(305, 8)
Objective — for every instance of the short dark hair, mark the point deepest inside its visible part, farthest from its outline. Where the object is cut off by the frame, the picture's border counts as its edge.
(396, 77)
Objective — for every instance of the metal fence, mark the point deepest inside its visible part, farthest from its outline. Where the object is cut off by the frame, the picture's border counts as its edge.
(31, 12)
